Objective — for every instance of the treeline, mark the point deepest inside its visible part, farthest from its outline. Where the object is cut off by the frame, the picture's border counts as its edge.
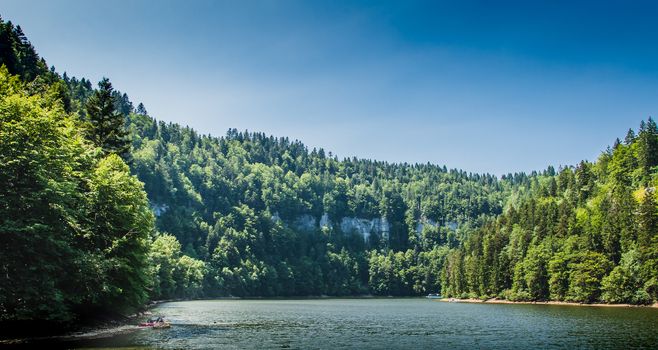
(18, 54)
(574, 234)
(222, 198)
(75, 224)
(583, 235)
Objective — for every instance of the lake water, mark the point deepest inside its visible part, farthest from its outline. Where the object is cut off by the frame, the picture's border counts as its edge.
(412, 323)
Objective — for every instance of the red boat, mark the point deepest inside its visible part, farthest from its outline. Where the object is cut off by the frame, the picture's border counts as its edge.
(156, 323)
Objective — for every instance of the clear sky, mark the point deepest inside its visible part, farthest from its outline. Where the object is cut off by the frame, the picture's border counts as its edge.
(486, 86)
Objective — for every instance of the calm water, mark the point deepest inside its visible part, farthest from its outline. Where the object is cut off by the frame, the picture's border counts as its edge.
(390, 323)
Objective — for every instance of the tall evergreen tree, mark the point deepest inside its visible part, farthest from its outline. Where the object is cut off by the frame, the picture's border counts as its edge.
(29, 60)
(141, 109)
(107, 123)
(7, 47)
(647, 219)
(648, 148)
(630, 137)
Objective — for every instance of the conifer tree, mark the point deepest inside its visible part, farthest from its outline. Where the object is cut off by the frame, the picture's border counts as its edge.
(107, 124)
(7, 45)
(630, 137)
(647, 148)
(647, 219)
(29, 60)
(141, 109)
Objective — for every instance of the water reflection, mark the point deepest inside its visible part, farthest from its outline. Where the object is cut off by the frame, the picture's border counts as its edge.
(389, 323)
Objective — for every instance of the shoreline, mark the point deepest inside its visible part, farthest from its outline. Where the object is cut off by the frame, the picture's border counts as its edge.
(127, 324)
(556, 303)
(80, 335)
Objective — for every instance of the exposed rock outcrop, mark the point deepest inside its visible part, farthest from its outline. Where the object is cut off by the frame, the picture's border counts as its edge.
(366, 227)
(325, 222)
(363, 227)
(159, 209)
(429, 222)
(305, 222)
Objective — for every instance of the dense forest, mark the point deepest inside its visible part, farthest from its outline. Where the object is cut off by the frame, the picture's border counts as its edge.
(585, 234)
(102, 207)
(75, 225)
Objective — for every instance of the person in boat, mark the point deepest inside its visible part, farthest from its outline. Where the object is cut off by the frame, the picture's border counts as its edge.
(154, 321)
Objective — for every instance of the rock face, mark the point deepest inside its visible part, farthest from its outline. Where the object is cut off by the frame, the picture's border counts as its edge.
(429, 222)
(305, 222)
(363, 227)
(159, 209)
(422, 222)
(366, 227)
(325, 222)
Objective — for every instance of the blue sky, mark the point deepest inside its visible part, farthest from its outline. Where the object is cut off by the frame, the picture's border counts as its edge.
(485, 86)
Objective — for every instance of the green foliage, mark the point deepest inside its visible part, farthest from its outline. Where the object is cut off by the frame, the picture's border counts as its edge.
(586, 234)
(586, 271)
(75, 226)
(624, 283)
(18, 54)
(535, 271)
(122, 224)
(107, 129)
(174, 275)
(42, 158)
(245, 205)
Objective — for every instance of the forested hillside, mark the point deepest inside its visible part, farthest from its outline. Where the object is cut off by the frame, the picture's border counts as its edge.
(585, 234)
(75, 225)
(252, 208)
(103, 207)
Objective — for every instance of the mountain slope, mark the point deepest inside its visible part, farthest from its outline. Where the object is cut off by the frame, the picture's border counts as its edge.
(266, 212)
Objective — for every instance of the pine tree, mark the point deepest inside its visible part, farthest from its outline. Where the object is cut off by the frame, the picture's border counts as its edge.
(583, 181)
(29, 60)
(630, 137)
(647, 219)
(107, 124)
(122, 103)
(7, 47)
(141, 109)
(647, 148)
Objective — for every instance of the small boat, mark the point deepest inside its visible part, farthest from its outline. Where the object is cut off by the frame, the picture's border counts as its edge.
(162, 325)
(433, 296)
(155, 323)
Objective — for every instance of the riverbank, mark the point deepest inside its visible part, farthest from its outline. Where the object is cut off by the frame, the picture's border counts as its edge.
(104, 329)
(383, 323)
(88, 334)
(110, 327)
(562, 303)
